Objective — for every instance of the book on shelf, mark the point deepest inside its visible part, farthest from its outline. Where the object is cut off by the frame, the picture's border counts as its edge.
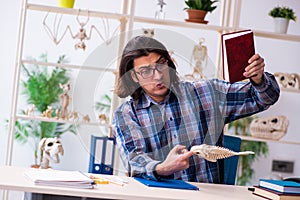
(237, 49)
(280, 185)
(59, 178)
(274, 195)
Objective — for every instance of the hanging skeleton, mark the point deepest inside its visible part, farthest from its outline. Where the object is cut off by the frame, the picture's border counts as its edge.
(213, 153)
(81, 36)
(198, 61)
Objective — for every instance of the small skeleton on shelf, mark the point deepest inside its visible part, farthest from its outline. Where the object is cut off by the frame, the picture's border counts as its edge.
(213, 153)
(82, 34)
(198, 61)
(64, 101)
(103, 119)
(86, 118)
(48, 112)
(50, 148)
(30, 110)
(160, 12)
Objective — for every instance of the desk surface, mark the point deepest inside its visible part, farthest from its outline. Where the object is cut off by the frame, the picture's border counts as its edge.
(11, 178)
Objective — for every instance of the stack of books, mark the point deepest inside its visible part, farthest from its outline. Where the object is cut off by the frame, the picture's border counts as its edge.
(59, 178)
(278, 189)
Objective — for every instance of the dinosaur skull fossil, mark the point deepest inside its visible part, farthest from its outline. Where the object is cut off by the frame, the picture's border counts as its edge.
(287, 80)
(269, 127)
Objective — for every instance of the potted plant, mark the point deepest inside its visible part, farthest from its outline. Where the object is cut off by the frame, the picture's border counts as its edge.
(282, 15)
(66, 3)
(197, 9)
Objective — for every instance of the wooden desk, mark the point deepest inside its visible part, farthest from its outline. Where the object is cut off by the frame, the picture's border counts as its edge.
(11, 178)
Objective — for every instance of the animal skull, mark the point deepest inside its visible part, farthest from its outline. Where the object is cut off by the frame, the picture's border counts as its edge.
(269, 127)
(288, 80)
(148, 32)
(51, 148)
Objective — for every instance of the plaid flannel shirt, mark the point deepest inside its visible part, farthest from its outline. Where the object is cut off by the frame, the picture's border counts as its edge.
(192, 114)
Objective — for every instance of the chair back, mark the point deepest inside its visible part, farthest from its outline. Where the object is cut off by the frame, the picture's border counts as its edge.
(231, 163)
(102, 154)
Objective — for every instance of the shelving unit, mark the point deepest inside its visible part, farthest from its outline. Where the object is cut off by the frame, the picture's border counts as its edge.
(121, 17)
(249, 138)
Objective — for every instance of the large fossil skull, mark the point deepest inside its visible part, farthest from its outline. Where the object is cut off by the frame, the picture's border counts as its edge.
(287, 80)
(269, 127)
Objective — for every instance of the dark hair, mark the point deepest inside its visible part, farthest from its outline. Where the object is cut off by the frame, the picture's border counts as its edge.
(137, 47)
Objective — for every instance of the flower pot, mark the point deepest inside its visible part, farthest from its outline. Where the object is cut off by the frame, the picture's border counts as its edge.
(281, 24)
(196, 16)
(66, 3)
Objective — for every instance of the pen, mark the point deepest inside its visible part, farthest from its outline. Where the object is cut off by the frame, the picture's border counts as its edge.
(100, 181)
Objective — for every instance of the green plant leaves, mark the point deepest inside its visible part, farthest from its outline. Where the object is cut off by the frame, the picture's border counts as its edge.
(206, 5)
(283, 12)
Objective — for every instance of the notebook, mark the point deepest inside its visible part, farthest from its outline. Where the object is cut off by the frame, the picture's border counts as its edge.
(167, 183)
(58, 178)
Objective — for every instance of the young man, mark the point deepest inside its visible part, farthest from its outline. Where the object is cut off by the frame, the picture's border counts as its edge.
(166, 117)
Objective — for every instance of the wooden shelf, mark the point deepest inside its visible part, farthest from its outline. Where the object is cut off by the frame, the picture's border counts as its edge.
(249, 138)
(71, 11)
(46, 119)
(271, 35)
(68, 66)
(294, 90)
(183, 24)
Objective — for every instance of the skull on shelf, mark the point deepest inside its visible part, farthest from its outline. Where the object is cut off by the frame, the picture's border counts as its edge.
(269, 127)
(287, 80)
(51, 148)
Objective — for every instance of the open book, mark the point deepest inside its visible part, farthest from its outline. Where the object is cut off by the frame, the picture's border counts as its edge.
(237, 49)
(50, 177)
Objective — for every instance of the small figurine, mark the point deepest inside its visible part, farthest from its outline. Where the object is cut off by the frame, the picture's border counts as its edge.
(86, 118)
(160, 12)
(64, 100)
(103, 119)
(73, 116)
(50, 148)
(48, 112)
(212, 153)
(30, 110)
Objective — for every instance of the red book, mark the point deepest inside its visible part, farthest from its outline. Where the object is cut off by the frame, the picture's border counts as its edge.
(237, 49)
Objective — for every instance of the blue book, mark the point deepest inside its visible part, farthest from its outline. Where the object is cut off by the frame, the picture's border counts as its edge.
(167, 183)
(280, 185)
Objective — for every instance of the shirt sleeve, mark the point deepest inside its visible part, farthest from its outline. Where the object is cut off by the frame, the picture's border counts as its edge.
(243, 99)
(131, 144)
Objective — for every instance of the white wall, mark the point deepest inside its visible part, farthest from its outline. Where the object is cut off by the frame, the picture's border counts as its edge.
(280, 56)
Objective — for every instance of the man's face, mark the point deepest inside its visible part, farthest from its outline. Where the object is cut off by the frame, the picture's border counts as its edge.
(152, 73)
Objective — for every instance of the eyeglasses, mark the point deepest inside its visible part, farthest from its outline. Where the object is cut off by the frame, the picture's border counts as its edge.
(148, 71)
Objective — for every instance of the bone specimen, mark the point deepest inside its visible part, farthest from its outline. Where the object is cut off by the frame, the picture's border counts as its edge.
(274, 127)
(213, 153)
